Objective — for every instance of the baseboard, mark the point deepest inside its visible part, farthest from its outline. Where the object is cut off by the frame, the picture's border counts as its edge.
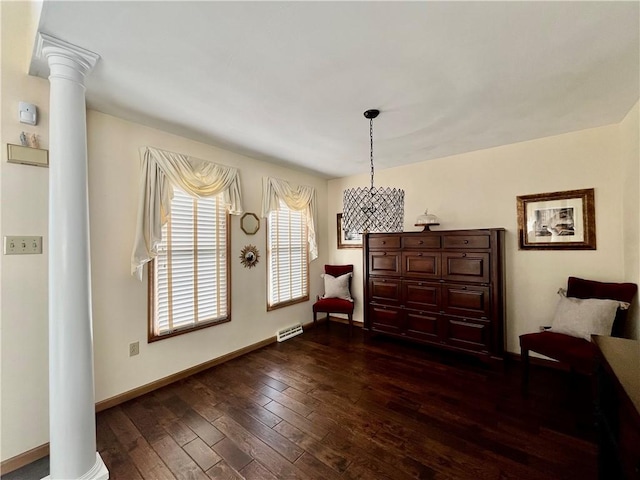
(163, 382)
(37, 453)
(19, 461)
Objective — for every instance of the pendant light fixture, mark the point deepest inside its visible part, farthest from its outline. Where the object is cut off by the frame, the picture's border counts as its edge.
(373, 209)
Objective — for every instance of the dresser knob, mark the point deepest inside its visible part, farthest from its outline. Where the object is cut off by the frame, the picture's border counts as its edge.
(466, 241)
(464, 288)
(384, 243)
(421, 242)
(420, 284)
(464, 255)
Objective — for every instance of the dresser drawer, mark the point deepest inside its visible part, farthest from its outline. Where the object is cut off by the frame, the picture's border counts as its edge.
(465, 267)
(466, 300)
(385, 290)
(421, 241)
(422, 295)
(421, 264)
(384, 263)
(384, 242)
(467, 334)
(385, 319)
(466, 241)
(422, 326)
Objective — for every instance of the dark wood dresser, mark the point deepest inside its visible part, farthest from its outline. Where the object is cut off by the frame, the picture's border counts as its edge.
(618, 408)
(443, 288)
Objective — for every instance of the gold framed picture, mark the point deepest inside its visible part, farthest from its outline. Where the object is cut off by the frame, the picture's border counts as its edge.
(347, 239)
(557, 220)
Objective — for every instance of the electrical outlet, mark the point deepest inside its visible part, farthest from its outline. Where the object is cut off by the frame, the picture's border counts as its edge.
(21, 245)
(134, 348)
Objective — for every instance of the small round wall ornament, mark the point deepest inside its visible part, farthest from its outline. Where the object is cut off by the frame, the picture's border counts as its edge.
(249, 256)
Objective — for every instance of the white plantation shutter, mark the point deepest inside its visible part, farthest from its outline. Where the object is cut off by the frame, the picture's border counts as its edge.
(288, 260)
(190, 273)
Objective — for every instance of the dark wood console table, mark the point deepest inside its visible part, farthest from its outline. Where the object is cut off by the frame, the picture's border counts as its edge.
(618, 408)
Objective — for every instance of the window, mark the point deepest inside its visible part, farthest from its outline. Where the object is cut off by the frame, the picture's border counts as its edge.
(288, 257)
(189, 278)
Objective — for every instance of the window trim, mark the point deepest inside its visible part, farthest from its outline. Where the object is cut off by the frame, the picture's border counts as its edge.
(151, 336)
(288, 303)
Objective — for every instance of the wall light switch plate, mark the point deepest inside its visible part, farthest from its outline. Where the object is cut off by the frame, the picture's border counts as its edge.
(22, 245)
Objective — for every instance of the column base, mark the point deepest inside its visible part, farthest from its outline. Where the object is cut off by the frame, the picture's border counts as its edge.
(97, 472)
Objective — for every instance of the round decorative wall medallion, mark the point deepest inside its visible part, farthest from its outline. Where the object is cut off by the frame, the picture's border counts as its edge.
(249, 256)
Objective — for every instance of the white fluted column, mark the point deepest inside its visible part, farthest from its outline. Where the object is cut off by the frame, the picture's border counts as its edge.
(72, 425)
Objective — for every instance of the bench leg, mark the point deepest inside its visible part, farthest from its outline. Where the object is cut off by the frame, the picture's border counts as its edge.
(524, 357)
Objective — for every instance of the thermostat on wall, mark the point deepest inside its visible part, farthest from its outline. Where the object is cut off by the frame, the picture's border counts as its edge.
(28, 113)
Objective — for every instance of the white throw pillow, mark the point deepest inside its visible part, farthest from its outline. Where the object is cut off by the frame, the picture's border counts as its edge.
(337, 287)
(583, 317)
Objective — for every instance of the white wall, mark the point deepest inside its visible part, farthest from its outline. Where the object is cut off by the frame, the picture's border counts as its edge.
(119, 301)
(479, 190)
(630, 151)
(23, 198)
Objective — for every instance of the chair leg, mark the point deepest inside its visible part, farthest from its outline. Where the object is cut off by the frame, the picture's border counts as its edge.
(350, 324)
(327, 320)
(315, 319)
(524, 357)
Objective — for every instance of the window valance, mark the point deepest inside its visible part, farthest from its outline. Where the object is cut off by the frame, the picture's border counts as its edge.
(301, 198)
(160, 171)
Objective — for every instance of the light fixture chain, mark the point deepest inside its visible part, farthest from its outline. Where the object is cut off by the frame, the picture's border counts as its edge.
(371, 150)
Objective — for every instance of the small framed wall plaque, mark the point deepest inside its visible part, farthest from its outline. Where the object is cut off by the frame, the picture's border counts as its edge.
(27, 155)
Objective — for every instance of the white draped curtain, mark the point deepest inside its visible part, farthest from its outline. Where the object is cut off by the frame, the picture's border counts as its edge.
(300, 198)
(161, 170)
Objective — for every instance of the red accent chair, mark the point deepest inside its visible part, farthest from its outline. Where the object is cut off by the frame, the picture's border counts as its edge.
(335, 305)
(578, 353)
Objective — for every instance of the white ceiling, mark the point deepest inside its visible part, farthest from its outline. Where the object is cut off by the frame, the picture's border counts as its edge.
(287, 82)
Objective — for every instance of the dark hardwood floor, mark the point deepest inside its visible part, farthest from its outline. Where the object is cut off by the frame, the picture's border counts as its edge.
(323, 406)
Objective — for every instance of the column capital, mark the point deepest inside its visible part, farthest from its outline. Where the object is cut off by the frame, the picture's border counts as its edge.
(47, 47)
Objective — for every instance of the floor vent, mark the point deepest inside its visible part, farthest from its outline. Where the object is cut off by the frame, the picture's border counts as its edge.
(289, 332)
